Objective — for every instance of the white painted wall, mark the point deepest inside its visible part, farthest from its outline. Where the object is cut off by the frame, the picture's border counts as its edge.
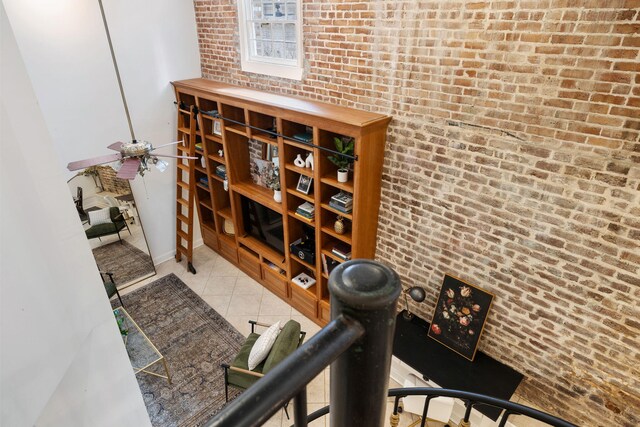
(65, 50)
(63, 361)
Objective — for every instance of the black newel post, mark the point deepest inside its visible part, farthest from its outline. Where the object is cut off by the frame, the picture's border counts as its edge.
(366, 291)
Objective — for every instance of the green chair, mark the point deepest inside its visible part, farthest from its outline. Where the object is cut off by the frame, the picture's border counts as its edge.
(110, 286)
(238, 374)
(115, 226)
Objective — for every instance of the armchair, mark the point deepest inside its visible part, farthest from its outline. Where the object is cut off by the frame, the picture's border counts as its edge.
(113, 226)
(238, 374)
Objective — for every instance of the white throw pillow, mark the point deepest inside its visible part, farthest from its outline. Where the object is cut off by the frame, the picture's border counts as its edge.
(102, 216)
(262, 346)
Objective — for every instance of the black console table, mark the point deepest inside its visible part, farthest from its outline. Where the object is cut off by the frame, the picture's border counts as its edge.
(450, 370)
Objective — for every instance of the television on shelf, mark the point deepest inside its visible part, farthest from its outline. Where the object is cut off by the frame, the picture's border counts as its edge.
(263, 224)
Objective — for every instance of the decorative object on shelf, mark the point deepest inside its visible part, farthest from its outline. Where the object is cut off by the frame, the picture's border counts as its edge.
(308, 163)
(217, 130)
(299, 162)
(228, 228)
(338, 226)
(203, 162)
(304, 280)
(460, 315)
(344, 146)
(305, 249)
(417, 294)
(221, 153)
(272, 181)
(342, 202)
(260, 171)
(225, 184)
(304, 184)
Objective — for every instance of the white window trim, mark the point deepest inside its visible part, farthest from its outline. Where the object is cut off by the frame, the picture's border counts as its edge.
(264, 66)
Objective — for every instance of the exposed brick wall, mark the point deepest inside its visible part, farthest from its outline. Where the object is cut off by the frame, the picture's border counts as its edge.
(111, 183)
(513, 161)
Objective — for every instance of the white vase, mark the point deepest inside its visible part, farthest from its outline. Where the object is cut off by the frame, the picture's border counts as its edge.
(308, 163)
(299, 161)
(277, 195)
(343, 175)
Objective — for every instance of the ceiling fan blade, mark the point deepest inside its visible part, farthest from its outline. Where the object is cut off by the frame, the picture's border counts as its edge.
(83, 164)
(115, 146)
(175, 157)
(129, 168)
(166, 145)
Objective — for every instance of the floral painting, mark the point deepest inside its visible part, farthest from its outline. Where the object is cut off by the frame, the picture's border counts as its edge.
(459, 317)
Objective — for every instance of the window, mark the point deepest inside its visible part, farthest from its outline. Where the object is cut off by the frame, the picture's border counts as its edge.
(271, 37)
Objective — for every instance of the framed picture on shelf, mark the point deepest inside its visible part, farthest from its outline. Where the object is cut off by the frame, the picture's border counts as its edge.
(217, 128)
(304, 184)
(460, 315)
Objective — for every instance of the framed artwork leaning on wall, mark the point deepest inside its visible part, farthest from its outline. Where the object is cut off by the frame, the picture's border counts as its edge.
(460, 314)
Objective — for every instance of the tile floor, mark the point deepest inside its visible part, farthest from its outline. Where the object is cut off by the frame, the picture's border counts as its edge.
(239, 298)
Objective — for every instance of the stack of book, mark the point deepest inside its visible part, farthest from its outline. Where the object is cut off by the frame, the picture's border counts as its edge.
(306, 211)
(221, 171)
(342, 202)
(342, 251)
(304, 137)
(204, 181)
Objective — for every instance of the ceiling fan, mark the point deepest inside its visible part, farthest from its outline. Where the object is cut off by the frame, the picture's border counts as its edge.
(134, 158)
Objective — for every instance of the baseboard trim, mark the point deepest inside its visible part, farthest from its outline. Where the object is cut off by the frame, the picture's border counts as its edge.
(172, 254)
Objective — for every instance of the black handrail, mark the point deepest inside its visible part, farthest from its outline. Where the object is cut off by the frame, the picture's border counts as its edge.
(217, 115)
(471, 399)
(357, 342)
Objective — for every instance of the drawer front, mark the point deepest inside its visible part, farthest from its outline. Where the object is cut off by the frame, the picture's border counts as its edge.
(249, 263)
(303, 302)
(229, 252)
(324, 311)
(210, 238)
(274, 282)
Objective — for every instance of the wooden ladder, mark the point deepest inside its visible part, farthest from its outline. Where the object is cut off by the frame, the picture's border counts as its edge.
(185, 185)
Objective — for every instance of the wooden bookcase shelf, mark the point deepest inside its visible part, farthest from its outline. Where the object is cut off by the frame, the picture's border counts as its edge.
(250, 123)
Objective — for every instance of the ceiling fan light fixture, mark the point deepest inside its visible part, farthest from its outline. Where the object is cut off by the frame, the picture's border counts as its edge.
(116, 165)
(161, 165)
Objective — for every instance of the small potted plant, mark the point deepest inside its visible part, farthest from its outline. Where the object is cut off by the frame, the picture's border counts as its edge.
(272, 180)
(343, 146)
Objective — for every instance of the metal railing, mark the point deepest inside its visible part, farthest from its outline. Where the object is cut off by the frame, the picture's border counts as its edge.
(357, 344)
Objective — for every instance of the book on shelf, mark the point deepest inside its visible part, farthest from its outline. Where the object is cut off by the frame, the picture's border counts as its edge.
(221, 171)
(342, 199)
(204, 181)
(304, 280)
(328, 264)
(342, 250)
(299, 215)
(341, 208)
(307, 207)
(304, 137)
(199, 146)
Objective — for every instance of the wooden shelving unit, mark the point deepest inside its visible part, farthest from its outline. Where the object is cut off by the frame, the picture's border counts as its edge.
(234, 121)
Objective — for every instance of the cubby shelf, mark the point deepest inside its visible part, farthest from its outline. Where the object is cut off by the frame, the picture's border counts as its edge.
(301, 171)
(346, 237)
(245, 116)
(336, 211)
(262, 195)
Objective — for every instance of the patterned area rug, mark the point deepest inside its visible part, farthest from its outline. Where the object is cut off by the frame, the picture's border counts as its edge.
(125, 261)
(194, 340)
